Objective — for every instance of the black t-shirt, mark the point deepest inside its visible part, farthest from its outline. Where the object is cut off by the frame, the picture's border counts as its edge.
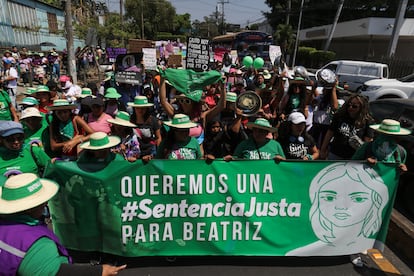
(343, 129)
(297, 147)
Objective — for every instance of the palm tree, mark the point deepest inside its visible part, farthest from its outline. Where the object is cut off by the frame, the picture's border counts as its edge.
(285, 37)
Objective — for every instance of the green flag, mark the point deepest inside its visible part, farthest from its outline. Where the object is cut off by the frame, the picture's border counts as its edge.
(189, 82)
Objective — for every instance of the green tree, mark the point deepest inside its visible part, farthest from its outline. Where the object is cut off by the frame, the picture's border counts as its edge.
(285, 37)
(157, 16)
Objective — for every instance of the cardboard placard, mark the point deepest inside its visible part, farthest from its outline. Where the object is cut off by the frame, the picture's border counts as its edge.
(175, 60)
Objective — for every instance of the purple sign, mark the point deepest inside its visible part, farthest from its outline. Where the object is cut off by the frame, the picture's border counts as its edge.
(112, 53)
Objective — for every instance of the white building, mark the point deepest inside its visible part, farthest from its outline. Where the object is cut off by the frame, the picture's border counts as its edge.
(366, 38)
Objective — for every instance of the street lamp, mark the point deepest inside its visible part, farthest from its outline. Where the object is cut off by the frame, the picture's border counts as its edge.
(297, 33)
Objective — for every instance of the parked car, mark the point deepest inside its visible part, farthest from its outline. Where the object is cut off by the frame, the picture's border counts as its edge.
(389, 88)
(401, 110)
(356, 73)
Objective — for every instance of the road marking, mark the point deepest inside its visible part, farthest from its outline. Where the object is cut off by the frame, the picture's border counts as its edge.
(382, 262)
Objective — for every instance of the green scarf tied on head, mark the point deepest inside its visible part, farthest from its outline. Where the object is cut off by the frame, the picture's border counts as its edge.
(189, 82)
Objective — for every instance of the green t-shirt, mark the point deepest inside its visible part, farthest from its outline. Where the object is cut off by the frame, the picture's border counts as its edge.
(43, 257)
(5, 101)
(22, 161)
(31, 135)
(189, 150)
(247, 150)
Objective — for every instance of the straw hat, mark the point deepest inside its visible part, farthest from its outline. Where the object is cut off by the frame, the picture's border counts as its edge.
(266, 74)
(122, 119)
(29, 101)
(111, 93)
(390, 127)
(30, 91)
(100, 140)
(180, 121)
(30, 112)
(61, 104)
(25, 191)
(140, 101)
(231, 97)
(261, 123)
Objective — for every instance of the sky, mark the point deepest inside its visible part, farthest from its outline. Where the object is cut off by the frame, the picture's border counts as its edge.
(243, 12)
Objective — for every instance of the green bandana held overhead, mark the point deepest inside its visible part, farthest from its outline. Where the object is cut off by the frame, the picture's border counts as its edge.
(189, 82)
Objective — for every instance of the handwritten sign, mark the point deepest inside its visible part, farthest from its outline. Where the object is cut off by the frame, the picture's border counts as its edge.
(175, 60)
(129, 77)
(197, 54)
(150, 58)
(112, 53)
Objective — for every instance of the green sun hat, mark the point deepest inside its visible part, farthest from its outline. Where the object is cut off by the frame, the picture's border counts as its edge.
(261, 123)
(42, 88)
(140, 101)
(180, 121)
(61, 104)
(30, 91)
(30, 101)
(111, 93)
(85, 92)
(231, 97)
(100, 140)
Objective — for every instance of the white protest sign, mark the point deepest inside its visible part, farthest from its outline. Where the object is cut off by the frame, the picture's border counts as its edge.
(150, 58)
(274, 52)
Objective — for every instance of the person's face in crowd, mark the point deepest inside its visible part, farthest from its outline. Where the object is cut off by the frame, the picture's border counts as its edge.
(354, 107)
(260, 79)
(298, 129)
(259, 135)
(181, 134)
(43, 98)
(101, 154)
(97, 110)
(186, 104)
(37, 211)
(112, 102)
(119, 130)
(215, 127)
(63, 115)
(14, 49)
(140, 111)
(33, 123)
(342, 200)
(296, 89)
(13, 142)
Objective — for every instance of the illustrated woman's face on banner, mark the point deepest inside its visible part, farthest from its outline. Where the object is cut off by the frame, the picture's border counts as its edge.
(344, 202)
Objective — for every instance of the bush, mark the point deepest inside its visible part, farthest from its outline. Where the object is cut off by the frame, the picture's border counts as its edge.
(320, 58)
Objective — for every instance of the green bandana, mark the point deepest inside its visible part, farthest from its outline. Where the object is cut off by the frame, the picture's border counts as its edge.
(189, 82)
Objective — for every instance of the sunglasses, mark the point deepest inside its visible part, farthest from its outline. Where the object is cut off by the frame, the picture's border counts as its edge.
(184, 101)
(13, 138)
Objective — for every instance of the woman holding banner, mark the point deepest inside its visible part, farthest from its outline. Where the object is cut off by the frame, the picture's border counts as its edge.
(27, 246)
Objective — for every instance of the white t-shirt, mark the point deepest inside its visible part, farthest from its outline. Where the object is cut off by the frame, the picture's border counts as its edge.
(12, 72)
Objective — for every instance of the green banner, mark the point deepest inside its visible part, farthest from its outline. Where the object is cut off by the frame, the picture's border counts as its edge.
(189, 207)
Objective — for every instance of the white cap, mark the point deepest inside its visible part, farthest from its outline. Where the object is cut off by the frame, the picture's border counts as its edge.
(296, 118)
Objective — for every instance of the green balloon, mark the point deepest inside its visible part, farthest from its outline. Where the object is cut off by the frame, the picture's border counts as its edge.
(247, 61)
(258, 63)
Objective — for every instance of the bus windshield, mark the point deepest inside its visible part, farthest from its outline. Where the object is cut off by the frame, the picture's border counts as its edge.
(246, 43)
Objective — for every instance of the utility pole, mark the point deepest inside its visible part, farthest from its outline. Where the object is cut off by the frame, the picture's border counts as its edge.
(69, 41)
(289, 9)
(142, 20)
(222, 2)
(338, 13)
(297, 34)
(397, 26)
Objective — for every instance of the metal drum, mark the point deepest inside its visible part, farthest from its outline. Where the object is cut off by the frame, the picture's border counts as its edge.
(249, 103)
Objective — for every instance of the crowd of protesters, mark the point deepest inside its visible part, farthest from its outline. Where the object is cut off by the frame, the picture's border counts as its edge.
(97, 123)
